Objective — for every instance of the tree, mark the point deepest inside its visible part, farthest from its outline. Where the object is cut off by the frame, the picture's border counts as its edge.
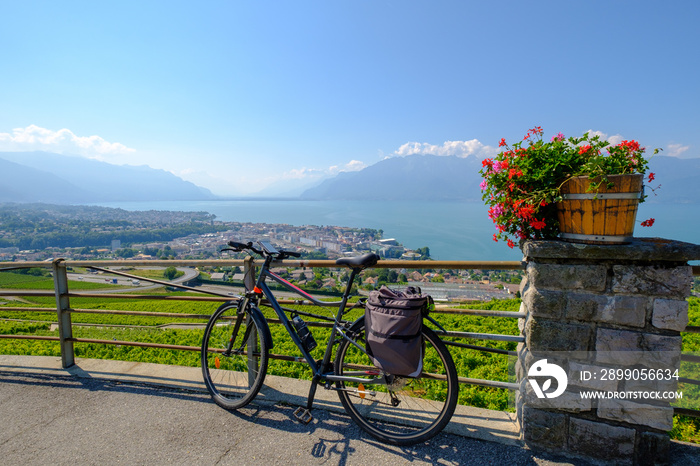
(424, 252)
(170, 273)
(126, 252)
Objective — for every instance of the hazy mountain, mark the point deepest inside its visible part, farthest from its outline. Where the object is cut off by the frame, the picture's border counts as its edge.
(19, 183)
(416, 177)
(429, 177)
(49, 177)
(678, 179)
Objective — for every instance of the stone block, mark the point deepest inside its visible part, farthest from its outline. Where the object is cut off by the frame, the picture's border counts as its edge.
(665, 383)
(594, 381)
(640, 249)
(545, 335)
(569, 401)
(652, 449)
(544, 303)
(630, 412)
(629, 311)
(670, 314)
(520, 371)
(602, 441)
(624, 348)
(521, 322)
(523, 285)
(567, 277)
(519, 405)
(544, 429)
(652, 280)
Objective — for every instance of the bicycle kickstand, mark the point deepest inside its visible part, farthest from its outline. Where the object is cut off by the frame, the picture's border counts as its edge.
(302, 414)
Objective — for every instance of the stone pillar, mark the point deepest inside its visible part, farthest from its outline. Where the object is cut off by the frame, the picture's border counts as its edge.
(608, 316)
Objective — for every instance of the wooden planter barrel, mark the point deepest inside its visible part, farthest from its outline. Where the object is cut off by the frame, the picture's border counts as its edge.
(606, 216)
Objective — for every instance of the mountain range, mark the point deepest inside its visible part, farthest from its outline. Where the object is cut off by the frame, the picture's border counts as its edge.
(415, 177)
(63, 179)
(435, 178)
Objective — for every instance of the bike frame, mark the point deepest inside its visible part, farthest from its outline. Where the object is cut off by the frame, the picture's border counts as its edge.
(319, 368)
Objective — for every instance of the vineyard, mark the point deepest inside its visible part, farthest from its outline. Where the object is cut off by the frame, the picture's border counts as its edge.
(188, 332)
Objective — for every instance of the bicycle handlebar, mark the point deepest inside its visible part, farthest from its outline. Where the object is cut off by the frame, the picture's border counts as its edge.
(240, 246)
(280, 255)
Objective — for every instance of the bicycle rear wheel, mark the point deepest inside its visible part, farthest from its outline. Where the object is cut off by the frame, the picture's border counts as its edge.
(407, 410)
(234, 355)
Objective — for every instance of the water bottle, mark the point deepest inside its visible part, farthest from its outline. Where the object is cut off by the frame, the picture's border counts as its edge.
(307, 339)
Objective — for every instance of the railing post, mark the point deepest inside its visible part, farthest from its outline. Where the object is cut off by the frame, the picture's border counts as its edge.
(65, 328)
(248, 273)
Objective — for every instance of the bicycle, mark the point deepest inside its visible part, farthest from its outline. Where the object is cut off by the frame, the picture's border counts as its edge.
(394, 409)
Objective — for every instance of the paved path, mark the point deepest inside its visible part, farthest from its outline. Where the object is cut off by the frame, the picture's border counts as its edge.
(107, 412)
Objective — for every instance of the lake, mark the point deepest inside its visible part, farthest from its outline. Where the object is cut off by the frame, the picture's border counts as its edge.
(459, 230)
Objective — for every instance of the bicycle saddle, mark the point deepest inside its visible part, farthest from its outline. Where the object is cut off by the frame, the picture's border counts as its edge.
(363, 261)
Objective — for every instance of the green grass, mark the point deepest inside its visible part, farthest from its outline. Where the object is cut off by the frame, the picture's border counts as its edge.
(17, 281)
(26, 282)
(687, 428)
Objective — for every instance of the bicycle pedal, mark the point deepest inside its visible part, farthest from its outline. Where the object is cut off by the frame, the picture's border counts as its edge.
(303, 415)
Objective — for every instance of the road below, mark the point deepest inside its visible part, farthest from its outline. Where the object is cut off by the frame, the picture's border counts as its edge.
(143, 285)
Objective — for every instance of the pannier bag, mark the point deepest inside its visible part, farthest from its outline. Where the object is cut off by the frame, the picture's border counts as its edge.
(394, 321)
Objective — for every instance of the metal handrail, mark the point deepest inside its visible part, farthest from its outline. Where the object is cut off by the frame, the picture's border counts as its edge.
(386, 264)
(67, 340)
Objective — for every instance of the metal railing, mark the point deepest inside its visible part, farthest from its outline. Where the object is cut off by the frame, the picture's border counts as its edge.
(62, 295)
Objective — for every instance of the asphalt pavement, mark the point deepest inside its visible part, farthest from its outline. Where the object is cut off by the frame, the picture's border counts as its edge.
(128, 413)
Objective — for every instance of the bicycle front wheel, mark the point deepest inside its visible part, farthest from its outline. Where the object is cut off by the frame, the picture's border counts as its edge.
(234, 355)
(398, 410)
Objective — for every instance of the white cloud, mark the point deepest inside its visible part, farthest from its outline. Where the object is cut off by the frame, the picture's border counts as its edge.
(351, 166)
(241, 184)
(315, 173)
(62, 141)
(301, 173)
(614, 140)
(458, 148)
(675, 150)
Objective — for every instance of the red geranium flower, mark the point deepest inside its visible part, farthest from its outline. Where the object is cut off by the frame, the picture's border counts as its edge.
(522, 182)
(538, 224)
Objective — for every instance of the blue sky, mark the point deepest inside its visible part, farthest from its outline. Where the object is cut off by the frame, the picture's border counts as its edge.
(244, 96)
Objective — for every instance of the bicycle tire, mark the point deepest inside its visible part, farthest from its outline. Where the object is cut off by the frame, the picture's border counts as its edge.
(416, 418)
(233, 380)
